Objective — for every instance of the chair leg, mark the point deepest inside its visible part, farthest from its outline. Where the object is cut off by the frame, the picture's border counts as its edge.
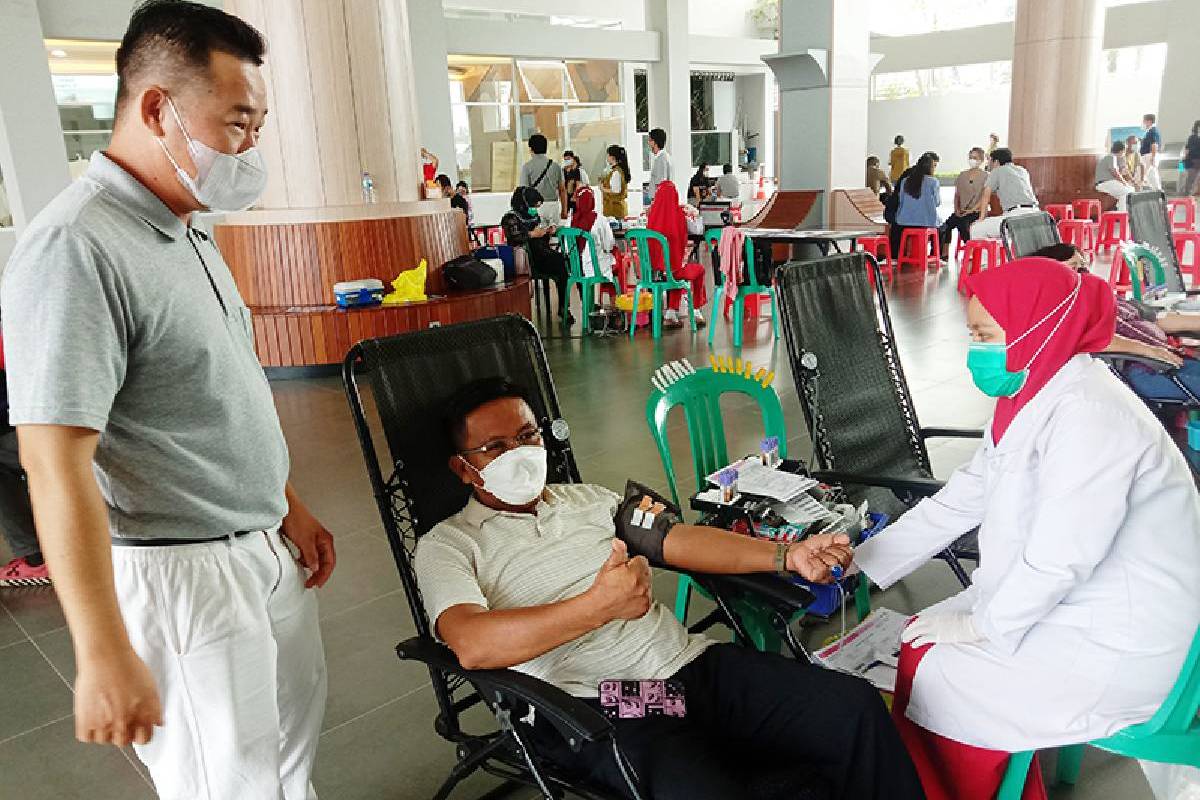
(712, 313)
(683, 597)
(774, 313)
(691, 309)
(955, 567)
(739, 318)
(1015, 775)
(1070, 759)
(656, 313)
(566, 301)
(633, 312)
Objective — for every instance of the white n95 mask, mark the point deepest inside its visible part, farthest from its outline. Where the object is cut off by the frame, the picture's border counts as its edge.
(517, 477)
(223, 182)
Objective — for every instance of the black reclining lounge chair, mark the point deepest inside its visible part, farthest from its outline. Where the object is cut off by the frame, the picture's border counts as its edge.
(851, 385)
(410, 377)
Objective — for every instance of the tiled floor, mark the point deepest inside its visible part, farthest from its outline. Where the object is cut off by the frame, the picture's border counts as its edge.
(378, 742)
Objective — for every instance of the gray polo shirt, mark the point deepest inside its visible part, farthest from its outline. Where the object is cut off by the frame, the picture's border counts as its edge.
(119, 318)
(549, 183)
(1011, 184)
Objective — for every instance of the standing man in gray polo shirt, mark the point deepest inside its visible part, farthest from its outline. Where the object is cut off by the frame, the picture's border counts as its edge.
(547, 177)
(156, 463)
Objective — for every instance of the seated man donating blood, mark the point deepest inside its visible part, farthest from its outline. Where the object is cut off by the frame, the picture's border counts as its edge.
(555, 581)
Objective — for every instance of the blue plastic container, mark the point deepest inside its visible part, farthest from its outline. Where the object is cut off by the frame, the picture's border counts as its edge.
(827, 596)
(1193, 429)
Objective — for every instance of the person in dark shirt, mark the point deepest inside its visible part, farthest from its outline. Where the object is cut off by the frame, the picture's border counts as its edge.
(524, 228)
(698, 186)
(1191, 162)
(1150, 150)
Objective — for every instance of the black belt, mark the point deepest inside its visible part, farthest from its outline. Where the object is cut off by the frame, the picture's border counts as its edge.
(1023, 205)
(122, 542)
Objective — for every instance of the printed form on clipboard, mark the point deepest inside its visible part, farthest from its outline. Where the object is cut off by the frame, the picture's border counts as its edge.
(754, 478)
(869, 651)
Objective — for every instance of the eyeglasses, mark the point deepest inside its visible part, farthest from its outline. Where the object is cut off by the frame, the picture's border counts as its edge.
(530, 438)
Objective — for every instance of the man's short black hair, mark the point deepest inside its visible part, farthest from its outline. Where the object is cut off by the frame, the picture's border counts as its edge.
(472, 396)
(462, 185)
(899, 140)
(1061, 251)
(1118, 147)
(1002, 156)
(932, 156)
(537, 143)
(1151, 118)
(443, 180)
(659, 137)
(172, 41)
(728, 168)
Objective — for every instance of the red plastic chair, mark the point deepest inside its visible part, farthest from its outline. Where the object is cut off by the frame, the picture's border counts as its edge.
(1079, 232)
(1118, 276)
(1086, 209)
(1114, 229)
(979, 254)
(880, 249)
(919, 247)
(1188, 264)
(1188, 206)
(1059, 211)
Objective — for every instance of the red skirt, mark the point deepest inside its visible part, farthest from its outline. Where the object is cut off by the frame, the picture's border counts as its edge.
(951, 770)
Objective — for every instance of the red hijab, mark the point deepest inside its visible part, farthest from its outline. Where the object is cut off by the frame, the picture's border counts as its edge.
(1019, 296)
(584, 216)
(667, 218)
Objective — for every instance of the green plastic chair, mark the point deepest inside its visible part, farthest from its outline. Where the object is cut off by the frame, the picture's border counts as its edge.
(699, 392)
(751, 287)
(641, 238)
(1171, 736)
(568, 245)
(1137, 256)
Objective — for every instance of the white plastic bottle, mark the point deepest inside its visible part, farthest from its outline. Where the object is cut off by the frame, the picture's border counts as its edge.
(368, 187)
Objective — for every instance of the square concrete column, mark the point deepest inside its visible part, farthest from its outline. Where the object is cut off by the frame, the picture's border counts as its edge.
(32, 154)
(1178, 109)
(427, 31)
(823, 69)
(669, 82)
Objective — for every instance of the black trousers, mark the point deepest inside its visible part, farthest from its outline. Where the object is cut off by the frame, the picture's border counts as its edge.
(548, 263)
(758, 725)
(961, 223)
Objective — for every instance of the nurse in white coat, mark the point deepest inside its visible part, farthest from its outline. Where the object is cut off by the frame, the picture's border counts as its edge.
(1087, 594)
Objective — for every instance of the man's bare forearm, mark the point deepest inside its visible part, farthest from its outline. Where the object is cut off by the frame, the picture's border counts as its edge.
(718, 552)
(72, 527)
(502, 638)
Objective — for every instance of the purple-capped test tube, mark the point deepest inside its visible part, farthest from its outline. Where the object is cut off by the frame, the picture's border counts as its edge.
(727, 480)
(768, 451)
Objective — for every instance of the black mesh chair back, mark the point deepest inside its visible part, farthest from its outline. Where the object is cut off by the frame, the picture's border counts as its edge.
(1025, 234)
(847, 371)
(1150, 224)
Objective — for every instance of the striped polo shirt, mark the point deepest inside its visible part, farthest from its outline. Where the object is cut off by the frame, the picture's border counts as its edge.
(498, 560)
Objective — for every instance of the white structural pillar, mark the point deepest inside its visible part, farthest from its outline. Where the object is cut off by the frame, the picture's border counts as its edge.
(823, 69)
(427, 28)
(669, 82)
(33, 157)
(1178, 109)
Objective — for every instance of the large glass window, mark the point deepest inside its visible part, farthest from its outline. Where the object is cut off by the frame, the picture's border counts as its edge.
(84, 75)
(941, 80)
(498, 103)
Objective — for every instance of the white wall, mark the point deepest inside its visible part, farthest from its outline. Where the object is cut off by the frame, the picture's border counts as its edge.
(721, 18)
(103, 20)
(950, 125)
(630, 12)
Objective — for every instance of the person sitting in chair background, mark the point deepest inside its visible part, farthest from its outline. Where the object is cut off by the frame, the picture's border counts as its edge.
(542, 579)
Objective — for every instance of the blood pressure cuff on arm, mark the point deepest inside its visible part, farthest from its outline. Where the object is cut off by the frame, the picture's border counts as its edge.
(642, 531)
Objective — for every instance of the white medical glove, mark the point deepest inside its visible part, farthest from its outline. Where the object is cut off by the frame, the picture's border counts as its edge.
(951, 628)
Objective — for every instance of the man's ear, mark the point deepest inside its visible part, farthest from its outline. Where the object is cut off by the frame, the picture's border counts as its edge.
(152, 106)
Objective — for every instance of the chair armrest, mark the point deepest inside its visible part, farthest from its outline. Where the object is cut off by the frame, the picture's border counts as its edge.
(787, 597)
(572, 717)
(951, 433)
(918, 486)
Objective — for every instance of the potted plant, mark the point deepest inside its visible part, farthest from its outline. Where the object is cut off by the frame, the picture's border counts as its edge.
(765, 14)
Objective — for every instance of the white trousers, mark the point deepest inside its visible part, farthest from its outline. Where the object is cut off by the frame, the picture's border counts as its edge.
(1116, 189)
(230, 634)
(1153, 179)
(990, 228)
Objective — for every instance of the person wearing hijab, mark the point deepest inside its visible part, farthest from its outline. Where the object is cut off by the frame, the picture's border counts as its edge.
(523, 228)
(666, 217)
(586, 219)
(1087, 594)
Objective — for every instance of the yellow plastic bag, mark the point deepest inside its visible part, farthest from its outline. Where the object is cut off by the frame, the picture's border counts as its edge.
(624, 302)
(409, 287)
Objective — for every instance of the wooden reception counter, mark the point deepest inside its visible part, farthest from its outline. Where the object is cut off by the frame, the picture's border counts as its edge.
(285, 263)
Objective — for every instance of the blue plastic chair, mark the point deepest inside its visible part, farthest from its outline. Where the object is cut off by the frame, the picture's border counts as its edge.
(658, 288)
(750, 287)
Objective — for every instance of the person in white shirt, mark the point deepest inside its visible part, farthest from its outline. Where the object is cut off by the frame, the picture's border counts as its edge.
(587, 219)
(1109, 178)
(660, 163)
(727, 185)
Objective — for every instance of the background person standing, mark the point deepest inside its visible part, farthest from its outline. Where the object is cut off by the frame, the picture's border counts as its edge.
(1191, 161)
(660, 161)
(898, 161)
(156, 463)
(1151, 147)
(540, 173)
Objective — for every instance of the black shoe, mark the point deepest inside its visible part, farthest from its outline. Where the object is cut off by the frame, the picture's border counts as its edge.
(566, 321)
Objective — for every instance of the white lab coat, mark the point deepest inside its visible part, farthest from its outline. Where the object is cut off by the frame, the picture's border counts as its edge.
(1088, 588)
(605, 241)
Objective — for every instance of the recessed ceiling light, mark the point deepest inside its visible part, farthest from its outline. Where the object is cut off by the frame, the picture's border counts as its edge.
(58, 53)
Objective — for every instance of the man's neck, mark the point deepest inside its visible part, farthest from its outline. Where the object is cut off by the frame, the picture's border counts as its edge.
(126, 156)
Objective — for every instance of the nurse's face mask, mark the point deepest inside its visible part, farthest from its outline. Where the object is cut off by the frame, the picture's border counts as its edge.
(224, 181)
(988, 361)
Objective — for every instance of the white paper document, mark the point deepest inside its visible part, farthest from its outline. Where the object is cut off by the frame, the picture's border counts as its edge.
(870, 650)
(754, 478)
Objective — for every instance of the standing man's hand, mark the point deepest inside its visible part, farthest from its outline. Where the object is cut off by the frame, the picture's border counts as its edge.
(314, 542)
(116, 699)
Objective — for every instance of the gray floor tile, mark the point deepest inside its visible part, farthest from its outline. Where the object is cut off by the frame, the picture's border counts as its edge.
(10, 632)
(365, 571)
(55, 766)
(33, 693)
(35, 609)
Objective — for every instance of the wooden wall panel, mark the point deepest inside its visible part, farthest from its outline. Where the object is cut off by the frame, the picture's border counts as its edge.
(318, 336)
(1061, 179)
(298, 264)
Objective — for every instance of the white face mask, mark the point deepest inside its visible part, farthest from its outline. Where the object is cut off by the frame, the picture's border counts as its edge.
(976, 163)
(223, 182)
(516, 477)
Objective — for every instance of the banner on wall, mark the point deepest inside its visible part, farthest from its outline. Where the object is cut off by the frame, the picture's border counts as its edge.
(1124, 132)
